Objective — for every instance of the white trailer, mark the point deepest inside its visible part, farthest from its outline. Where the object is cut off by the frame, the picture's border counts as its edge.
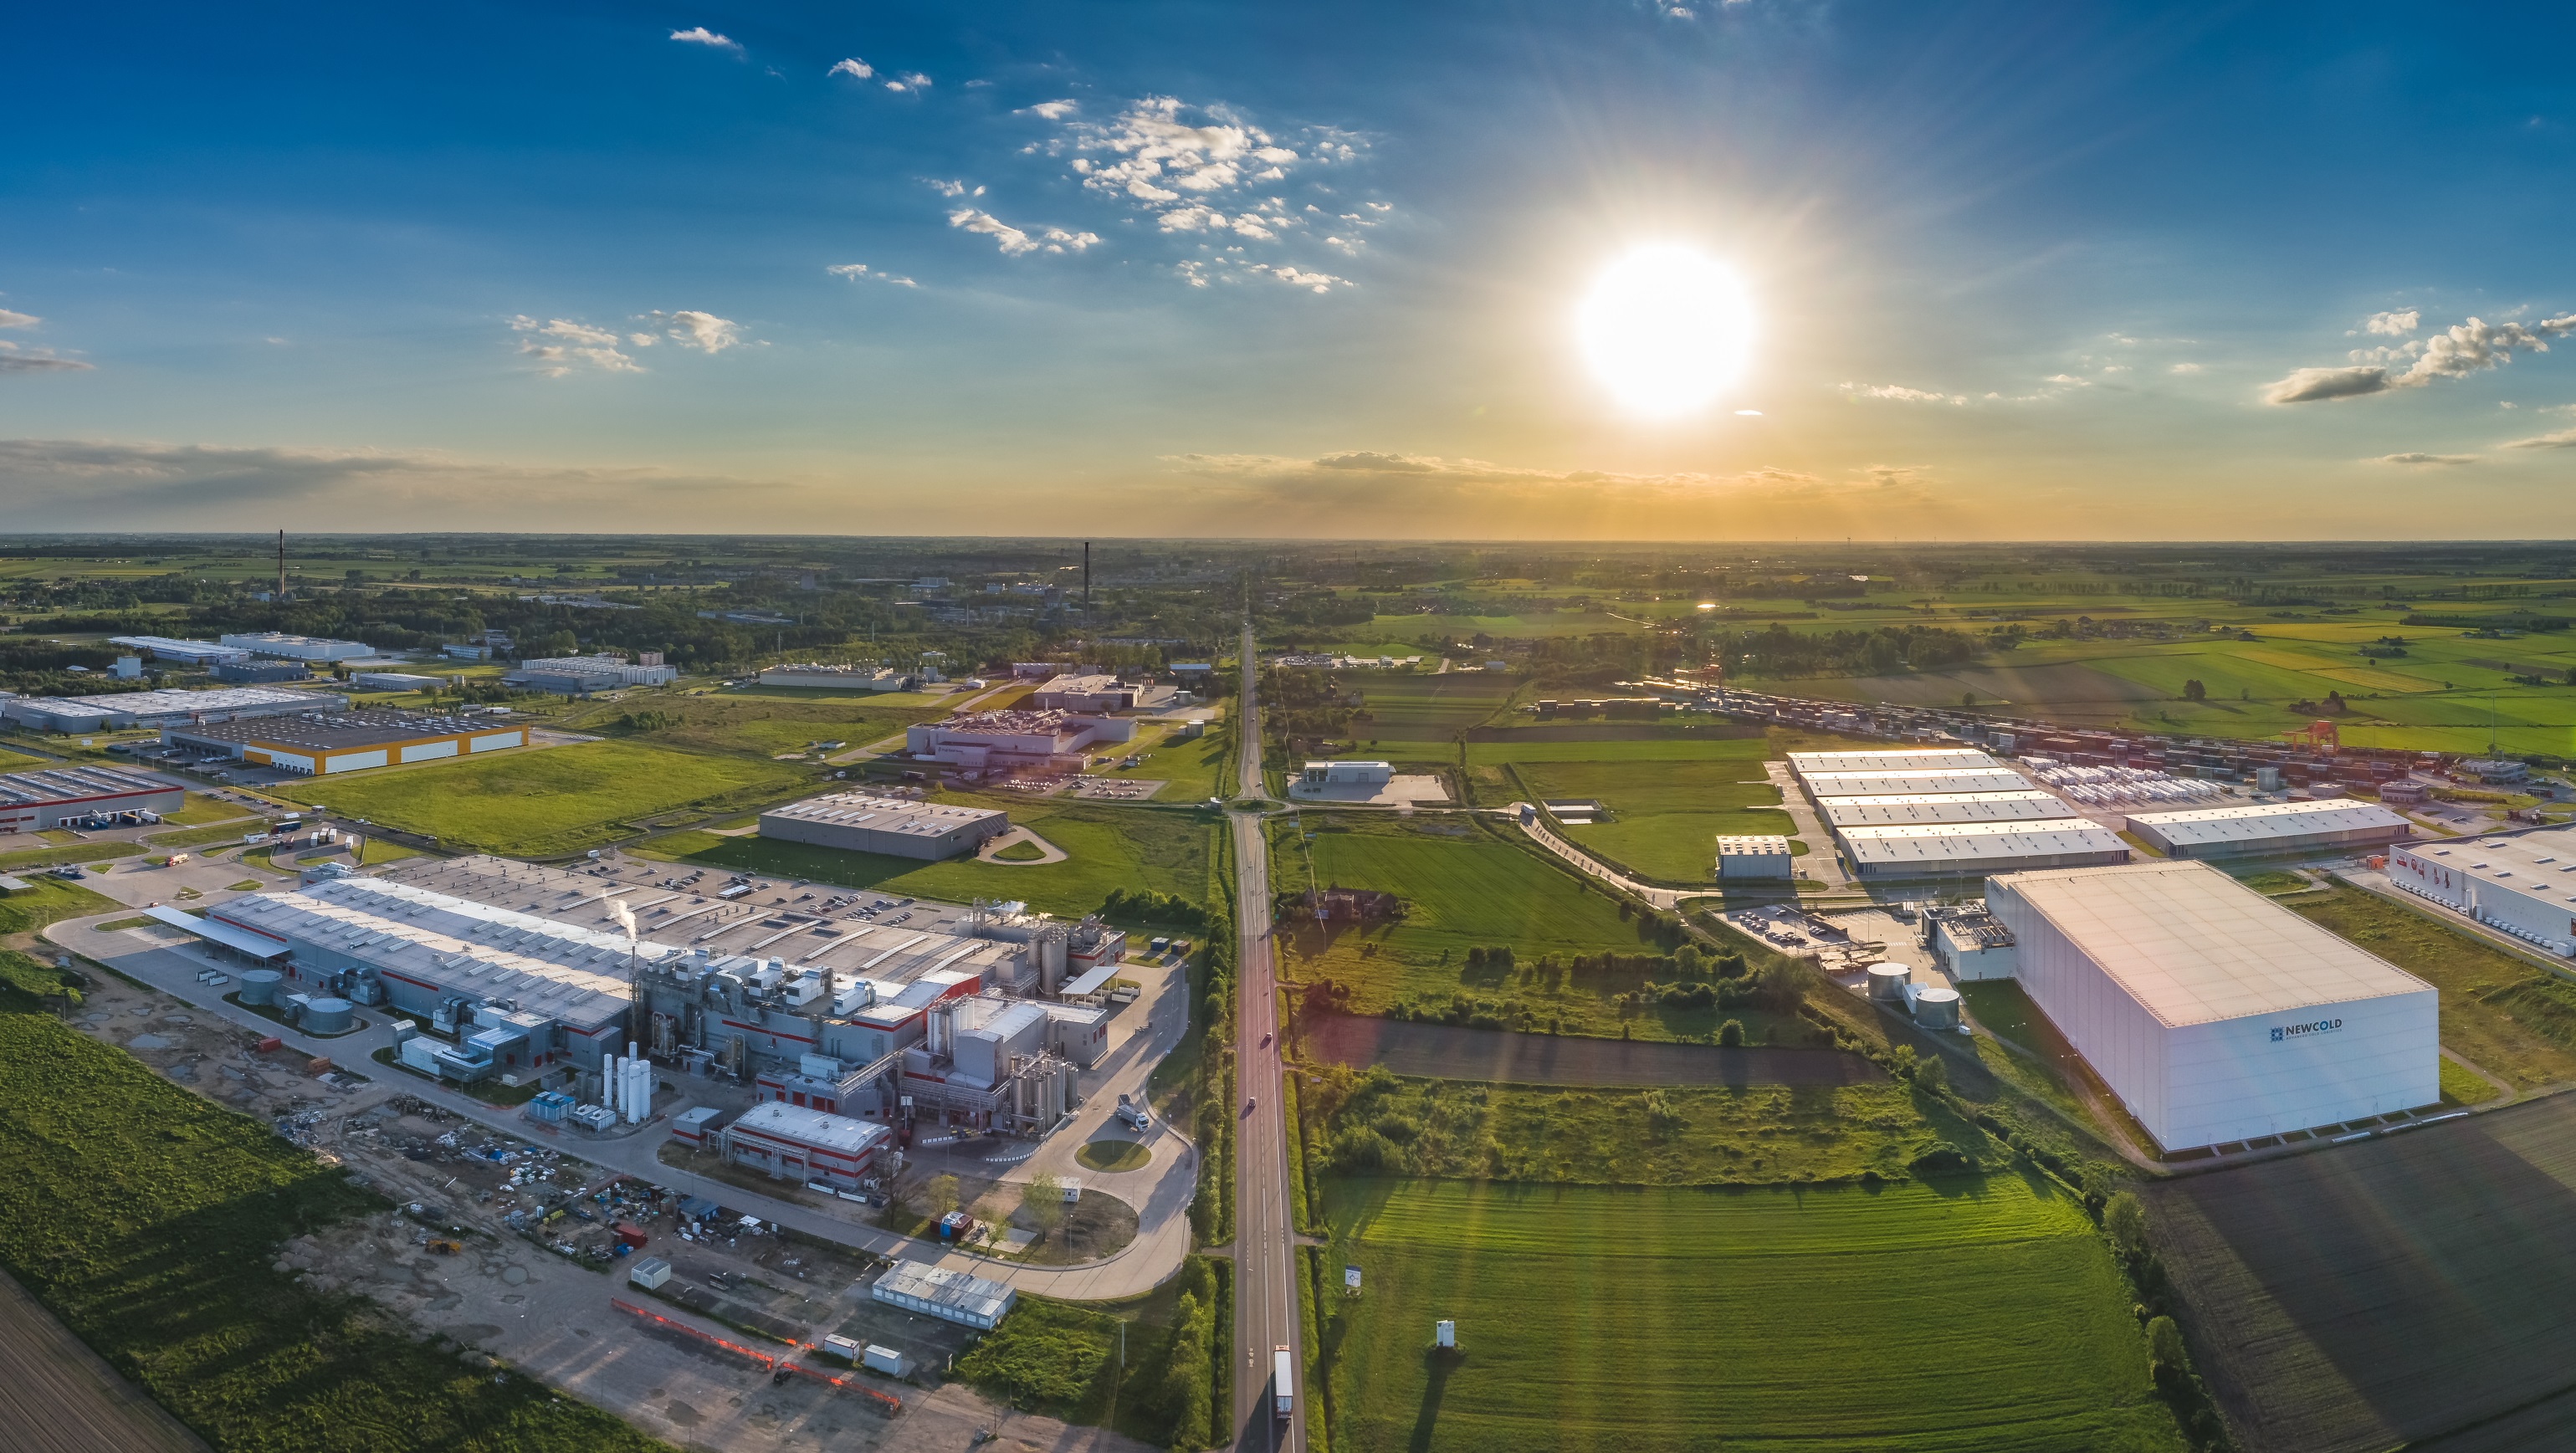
(1283, 1383)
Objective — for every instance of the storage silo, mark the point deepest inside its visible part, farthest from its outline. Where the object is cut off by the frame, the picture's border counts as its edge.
(259, 986)
(1936, 1008)
(1887, 982)
(328, 1016)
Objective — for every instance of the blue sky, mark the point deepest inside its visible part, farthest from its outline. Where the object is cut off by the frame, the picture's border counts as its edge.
(2021, 271)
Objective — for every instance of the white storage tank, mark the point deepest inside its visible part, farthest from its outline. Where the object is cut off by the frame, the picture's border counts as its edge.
(259, 986)
(1887, 982)
(1936, 1008)
(329, 1016)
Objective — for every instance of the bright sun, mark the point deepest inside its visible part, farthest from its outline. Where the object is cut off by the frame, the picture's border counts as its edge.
(1665, 330)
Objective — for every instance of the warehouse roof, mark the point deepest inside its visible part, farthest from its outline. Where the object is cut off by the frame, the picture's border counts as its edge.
(337, 730)
(240, 939)
(74, 784)
(2193, 945)
(884, 814)
(2545, 862)
(948, 1288)
(1902, 759)
(2261, 822)
(182, 704)
(1938, 846)
(1915, 782)
(812, 1127)
(1906, 808)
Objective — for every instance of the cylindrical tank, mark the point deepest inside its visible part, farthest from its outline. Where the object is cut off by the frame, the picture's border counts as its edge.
(259, 986)
(609, 1082)
(1887, 982)
(328, 1016)
(1936, 1008)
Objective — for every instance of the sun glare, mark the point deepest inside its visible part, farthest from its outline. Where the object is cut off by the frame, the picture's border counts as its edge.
(1665, 330)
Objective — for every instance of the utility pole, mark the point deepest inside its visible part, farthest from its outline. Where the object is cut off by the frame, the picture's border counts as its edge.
(281, 566)
(1086, 582)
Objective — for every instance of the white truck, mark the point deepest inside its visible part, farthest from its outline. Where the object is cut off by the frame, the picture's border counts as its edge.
(1283, 1383)
(1133, 1116)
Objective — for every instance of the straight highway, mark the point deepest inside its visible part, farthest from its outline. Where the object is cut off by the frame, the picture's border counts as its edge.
(1265, 1252)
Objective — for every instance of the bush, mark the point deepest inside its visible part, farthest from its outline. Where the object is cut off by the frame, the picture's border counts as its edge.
(2125, 1222)
(1731, 1034)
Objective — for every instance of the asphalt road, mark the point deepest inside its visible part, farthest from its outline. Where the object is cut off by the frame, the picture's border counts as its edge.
(1265, 1265)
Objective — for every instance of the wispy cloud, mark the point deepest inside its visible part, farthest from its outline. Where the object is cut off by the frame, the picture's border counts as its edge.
(1899, 393)
(11, 319)
(2419, 459)
(1017, 243)
(704, 332)
(2393, 325)
(1051, 110)
(908, 81)
(37, 360)
(560, 346)
(2183, 368)
(855, 68)
(2457, 352)
(2563, 439)
(700, 35)
(858, 272)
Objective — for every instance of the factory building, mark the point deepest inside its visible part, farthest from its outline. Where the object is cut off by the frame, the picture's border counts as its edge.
(1913, 782)
(34, 801)
(861, 822)
(2269, 827)
(184, 653)
(251, 671)
(1900, 759)
(987, 741)
(805, 1145)
(394, 681)
(1944, 849)
(2523, 885)
(164, 708)
(581, 675)
(949, 1293)
(347, 741)
(816, 676)
(1911, 809)
(1346, 774)
(2213, 1013)
(1753, 858)
(1098, 694)
(297, 648)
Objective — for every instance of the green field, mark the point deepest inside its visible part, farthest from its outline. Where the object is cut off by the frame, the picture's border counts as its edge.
(1200, 767)
(758, 722)
(540, 802)
(21, 762)
(1106, 848)
(2515, 1021)
(1415, 707)
(1668, 800)
(1969, 1316)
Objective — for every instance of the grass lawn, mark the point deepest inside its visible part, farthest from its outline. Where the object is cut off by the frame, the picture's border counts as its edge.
(1667, 806)
(1404, 707)
(1200, 767)
(201, 809)
(1106, 847)
(46, 900)
(198, 837)
(2514, 1020)
(761, 722)
(1978, 1315)
(147, 1219)
(21, 762)
(93, 852)
(538, 803)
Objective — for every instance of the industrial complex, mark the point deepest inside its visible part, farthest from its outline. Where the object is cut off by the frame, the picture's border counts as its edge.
(54, 796)
(2269, 827)
(816, 676)
(2524, 885)
(320, 744)
(2213, 1013)
(1946, 812)
(864, 822)
(582, 675)
(163, 708)
(985, 741)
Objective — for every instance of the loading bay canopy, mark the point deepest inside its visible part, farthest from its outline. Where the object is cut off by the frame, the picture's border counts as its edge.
(240, 940)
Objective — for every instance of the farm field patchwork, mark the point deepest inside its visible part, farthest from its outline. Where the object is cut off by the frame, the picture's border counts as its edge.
(535, 803)
(1979, 1315)
(2409, 1292)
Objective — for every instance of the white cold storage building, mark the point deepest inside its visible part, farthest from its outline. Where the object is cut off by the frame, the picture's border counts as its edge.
(1903, 759)
(2523, 885)
(1910, 808)
(1942, 849)
(2215, 1014)
(2269, 827)
(1753, 857)
(1914, 782)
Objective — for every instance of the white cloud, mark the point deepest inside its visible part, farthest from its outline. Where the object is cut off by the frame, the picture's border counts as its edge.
(642, 340)
(2563, 439)
(2457, 352)
(855, 68)
(9, 319)
(702, 331)
(909, 81)
(1059, 240)
(952, 188)
(2420, 459)
(37, 360)
(563, 328)
(2394, 325)
(1013, 241)
(1050, 110)
(700, 35)
(577, 345)
(2184, 368)
(1901, 394)
(858, 272)
(1320, 282)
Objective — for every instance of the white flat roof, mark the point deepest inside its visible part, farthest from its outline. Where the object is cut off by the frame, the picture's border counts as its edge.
(1901, 759)
(1754, 843)
(222, 933)
(1903, 809)
(1934, 844)
(2194, 946)
(69, 783)
(812, 1127)
(1915, 782)
(884, 814)
(2262, 821)
(2535, 862)
(947, 1287)
(1091, 982)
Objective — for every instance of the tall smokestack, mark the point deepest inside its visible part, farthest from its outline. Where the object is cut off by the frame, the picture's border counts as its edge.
(281, 565)
(1086, 580)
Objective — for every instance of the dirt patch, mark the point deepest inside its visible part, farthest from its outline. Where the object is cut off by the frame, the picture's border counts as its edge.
(1453, 1052)
(2401, 1292)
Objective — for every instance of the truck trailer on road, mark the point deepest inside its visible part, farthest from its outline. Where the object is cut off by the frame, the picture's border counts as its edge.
(1283, 1383)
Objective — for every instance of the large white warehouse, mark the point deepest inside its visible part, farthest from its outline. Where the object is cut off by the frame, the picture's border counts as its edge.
(1902, 759)
(1908, 809)
(2269, 827)
(2213, 1013)
(1913, 782)
(1944, 849)
(2524, 885)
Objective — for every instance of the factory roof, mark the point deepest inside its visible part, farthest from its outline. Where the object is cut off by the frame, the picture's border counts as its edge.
(284, 638)
(74, 784)
(1092, 981)
(1907, 808)
(239, 939)
(320, 731)
(1012, 722)
(1937, 846)
(600, 664)
(949, 1288)
(1914, 782)
(2535, 862)
(2260, 822)
(173, 649)
(2194, 946)
(812, 1127)
(884, 814)
(1901, 759)
(176, 703)
(1772, 845)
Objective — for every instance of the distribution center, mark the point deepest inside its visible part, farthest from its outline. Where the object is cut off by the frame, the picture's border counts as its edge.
(33, 801)
(2213, 1013)
(2269, 827)
(345, 741)
(2524, 885)
(863, 822)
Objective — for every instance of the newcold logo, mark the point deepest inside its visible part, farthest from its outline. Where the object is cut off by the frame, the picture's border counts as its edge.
(2294, 1031)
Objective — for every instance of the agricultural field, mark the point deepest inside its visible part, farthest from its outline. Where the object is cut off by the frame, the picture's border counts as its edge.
(2515, 1021)
(1976, 1315)
(1106, 848)
(1668, 800)
(1411, 710)
(147, 1219)
(758, 721)
(537, 803)
(2408, 1292)
(1547, 623)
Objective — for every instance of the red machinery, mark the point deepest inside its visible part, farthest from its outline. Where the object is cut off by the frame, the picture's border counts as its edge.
(2316, 736)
